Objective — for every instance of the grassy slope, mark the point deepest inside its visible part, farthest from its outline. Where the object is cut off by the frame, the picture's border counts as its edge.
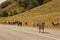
(53, 6)
(48, 12)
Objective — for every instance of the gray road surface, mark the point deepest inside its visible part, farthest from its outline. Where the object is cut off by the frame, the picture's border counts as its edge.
(10, 32)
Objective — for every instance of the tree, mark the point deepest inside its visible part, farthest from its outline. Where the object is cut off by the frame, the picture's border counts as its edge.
(28, 4)
(40, 2)
(23, 3)
(11, 0)
(5, 4)
(32, 4)
(14, 12)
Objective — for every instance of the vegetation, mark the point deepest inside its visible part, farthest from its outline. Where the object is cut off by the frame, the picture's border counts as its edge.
(12, 1)
(49, 12)
(4, 14)
(20, 6)
(29, 4)
(5, 4)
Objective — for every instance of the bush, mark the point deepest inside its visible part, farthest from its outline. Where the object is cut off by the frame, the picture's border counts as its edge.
(13, 12)
(4, 14)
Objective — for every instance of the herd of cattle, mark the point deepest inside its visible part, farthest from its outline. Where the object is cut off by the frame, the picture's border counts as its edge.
(16, 22)
(20, 23)
(41, 25)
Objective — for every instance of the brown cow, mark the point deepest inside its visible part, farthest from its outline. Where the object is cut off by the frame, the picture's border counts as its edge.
(17, 22)
(41, 26)
(55, 24)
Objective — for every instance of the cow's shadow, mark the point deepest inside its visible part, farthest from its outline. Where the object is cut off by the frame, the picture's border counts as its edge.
(45, 32)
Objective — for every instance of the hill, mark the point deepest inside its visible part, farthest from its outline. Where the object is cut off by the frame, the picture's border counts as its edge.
(17, 6)
(48, 12)
(52, 6)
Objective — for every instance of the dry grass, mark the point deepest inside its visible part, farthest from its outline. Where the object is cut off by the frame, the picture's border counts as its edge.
(48, 12)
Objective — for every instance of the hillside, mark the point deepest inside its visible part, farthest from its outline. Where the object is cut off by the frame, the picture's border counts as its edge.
(17, 6)
(53, 6)
(48, 12)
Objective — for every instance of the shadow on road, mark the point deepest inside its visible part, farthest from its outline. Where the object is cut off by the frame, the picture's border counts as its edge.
(45, 32)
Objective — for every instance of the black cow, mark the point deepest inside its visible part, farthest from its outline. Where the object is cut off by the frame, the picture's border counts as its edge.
(26, 23)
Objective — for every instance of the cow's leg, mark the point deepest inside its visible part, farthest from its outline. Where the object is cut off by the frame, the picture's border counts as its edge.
(39, 29)
(42, 29)
(17, 24)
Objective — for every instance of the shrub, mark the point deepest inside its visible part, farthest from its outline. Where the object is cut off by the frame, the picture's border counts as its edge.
(4, 14)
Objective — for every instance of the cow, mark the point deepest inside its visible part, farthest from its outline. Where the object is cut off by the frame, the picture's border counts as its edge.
(55, 24)
(17, 22)
(26, 23)
(14, 22)
(6, 22)
(41, 26)
(9, 23)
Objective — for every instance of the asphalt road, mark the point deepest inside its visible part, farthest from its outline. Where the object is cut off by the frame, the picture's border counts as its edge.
(10, 32)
